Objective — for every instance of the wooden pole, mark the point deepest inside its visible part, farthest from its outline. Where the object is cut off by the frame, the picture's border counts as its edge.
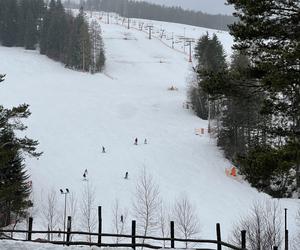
(29, 228)
(190, 54)
(286, 232)
(286, 240)
(69, 224)
(218, 230)
(243, 233)
(48, 234)
(172, 234)
(99, 225)
(150, 30)
(133, 230)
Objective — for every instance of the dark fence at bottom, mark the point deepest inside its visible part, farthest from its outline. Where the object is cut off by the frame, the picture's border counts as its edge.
(218, 243)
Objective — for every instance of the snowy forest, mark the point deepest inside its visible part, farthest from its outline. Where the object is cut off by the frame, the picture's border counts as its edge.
(71, 40)
(253, 103)
(144, 10)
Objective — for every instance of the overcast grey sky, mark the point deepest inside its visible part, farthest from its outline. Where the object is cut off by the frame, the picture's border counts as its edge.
(208, 6)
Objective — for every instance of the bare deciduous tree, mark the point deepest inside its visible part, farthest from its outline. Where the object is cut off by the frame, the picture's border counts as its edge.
(88, 210)
(72, 207)
(296, 240)
(186, 219)
(163, 222)
(50, 211)
(119, 220)
(263, 226)
(146, 204)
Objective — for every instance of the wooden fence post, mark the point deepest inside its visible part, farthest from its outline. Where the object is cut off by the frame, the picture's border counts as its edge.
(69, 224)
(30, 220)
(172, 234)
(218, 230)
(243, 233)
(99, 225)
(133, 229)
(286, 232)
(286, 240)
(48, 234)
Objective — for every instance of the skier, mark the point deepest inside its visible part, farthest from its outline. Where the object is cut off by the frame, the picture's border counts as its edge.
(145, 141)
(126, 175)
(103, 149)
(136, 141)
(85, 174)
(122, 219)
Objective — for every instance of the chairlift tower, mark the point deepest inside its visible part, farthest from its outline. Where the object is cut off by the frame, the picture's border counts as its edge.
(188, 42)
(150, 28)
(172, 38)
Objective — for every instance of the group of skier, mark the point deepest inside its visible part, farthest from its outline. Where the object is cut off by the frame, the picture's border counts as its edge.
(136, 141)
(104, 151)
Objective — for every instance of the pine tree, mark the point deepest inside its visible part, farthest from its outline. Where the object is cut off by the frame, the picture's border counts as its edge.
(80, 45)
(101, 58)
(60, 36)
(30, 36)
(261, 101)
(268, 32)
(97, 48)
(14, 188)
(241, 119)
(9, 23)
(211, 58)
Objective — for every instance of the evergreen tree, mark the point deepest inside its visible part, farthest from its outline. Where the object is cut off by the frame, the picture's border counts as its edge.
(14, 188)
(272, 43)
(100, 63)
(30, 36)
(97, 48)
(8, 28)
(55, 31)
(211, 58)
(269, 32)
(45, 27)
(79, 52)
(260, 95)
(85, 47)
(60, 36)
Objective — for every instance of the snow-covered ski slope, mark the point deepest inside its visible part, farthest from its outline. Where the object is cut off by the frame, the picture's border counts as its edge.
(74, 114)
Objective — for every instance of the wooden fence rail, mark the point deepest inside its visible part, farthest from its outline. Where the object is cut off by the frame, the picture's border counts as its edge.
(217, 243)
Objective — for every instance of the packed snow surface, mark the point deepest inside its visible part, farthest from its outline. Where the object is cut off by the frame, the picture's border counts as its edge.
(74, 114)
(11, 245)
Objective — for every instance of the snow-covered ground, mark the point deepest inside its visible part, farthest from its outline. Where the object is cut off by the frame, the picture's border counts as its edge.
(12, 245)
(74, 114)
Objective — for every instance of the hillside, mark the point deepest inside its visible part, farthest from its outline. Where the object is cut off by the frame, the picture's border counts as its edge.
(74, 114)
